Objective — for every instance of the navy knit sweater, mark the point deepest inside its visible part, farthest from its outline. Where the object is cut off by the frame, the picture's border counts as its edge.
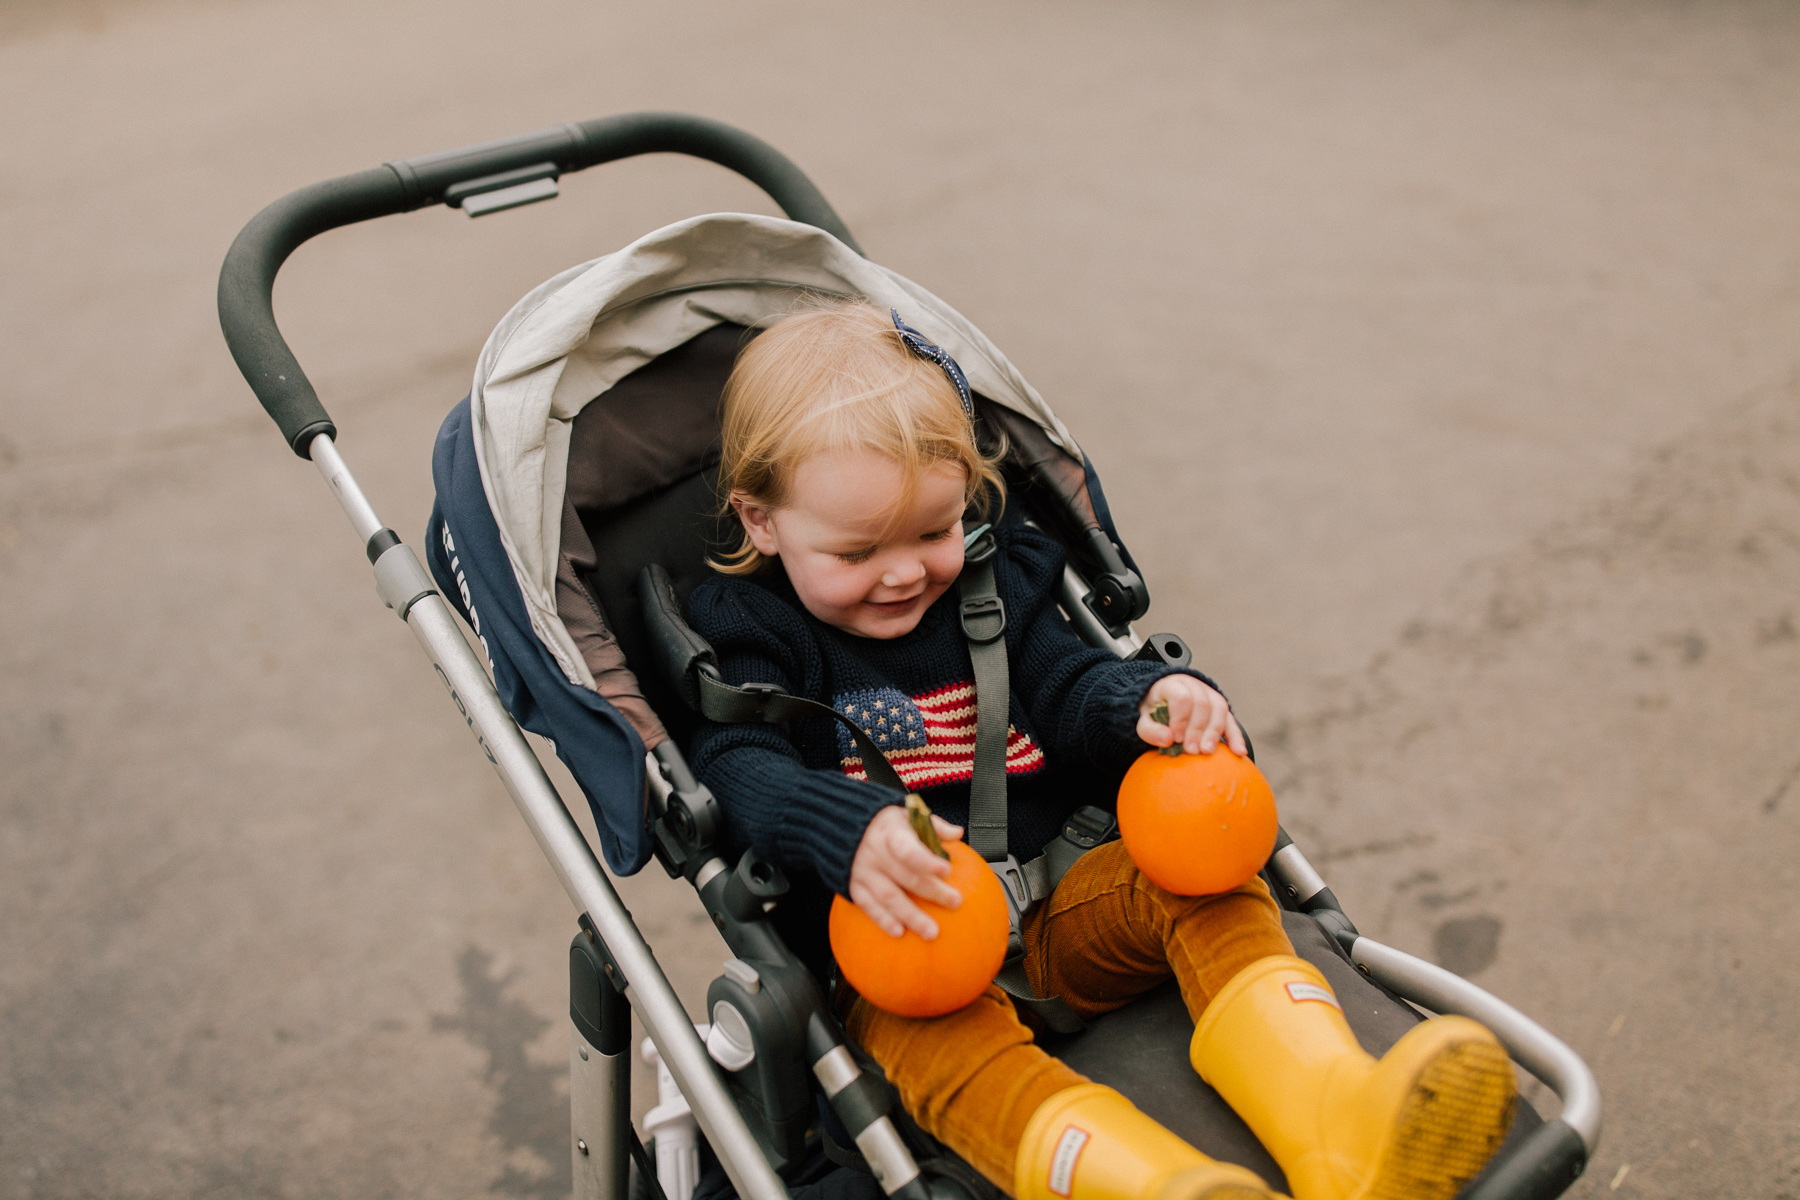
(798, 792)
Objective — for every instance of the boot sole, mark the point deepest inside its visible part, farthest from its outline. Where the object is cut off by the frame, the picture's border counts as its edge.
(1455, 1117)
(1192, 1185)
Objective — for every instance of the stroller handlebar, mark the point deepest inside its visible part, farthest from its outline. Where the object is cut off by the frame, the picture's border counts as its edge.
(247, 279)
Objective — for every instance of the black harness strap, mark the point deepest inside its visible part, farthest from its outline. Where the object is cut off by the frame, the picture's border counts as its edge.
(984, 627)
(772, 705)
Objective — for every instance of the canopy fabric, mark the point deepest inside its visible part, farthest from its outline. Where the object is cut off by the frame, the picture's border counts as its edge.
(462, 548)
(575, 336)
(501, 463)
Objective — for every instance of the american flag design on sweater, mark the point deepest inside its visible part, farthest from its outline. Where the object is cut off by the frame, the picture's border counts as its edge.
(929, 738)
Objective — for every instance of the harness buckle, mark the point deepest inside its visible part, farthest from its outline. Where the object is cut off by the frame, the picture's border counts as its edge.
(1018, 902)
(979, 609)
(762, 694)
(1088, 827)
(979, 544)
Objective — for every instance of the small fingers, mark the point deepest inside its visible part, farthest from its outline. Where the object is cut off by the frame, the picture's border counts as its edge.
(1181, 713)
(1188, 713)
(1234, 737)
(1208, 723)
(1199, 717)
(945, 830)
(929, 878)
(892, 910)
(902, 906)
(914, 918)
(1154, 732)
(869, 898)
(930, 887)
(922, 873)
(910, 855)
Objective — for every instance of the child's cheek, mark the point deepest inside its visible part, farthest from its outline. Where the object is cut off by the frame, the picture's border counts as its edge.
(830, 585)
(945, 563)
(846, 586)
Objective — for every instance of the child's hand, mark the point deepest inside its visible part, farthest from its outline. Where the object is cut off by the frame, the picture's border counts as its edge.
(1198, 716)
(891, 862)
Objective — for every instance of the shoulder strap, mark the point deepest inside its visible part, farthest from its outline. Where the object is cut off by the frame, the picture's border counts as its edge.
(984, 626)
(772, 705)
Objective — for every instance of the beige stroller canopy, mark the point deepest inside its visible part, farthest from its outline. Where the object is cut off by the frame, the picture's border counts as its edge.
(572, 338)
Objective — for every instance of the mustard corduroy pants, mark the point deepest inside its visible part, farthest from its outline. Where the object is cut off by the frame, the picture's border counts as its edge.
(973, 1078)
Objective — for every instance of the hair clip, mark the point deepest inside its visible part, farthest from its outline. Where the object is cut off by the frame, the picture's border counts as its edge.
(917, 343)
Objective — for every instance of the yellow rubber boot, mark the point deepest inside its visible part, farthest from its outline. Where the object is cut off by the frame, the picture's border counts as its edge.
(1090, 1143)
(1416, 1125)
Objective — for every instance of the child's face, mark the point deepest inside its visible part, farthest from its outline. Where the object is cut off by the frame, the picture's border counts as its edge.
(857, 564)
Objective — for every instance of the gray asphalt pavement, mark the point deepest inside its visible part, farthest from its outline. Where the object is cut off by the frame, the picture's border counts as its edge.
(1440, 360)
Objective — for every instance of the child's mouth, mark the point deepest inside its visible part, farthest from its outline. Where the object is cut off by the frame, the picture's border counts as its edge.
(892, 606)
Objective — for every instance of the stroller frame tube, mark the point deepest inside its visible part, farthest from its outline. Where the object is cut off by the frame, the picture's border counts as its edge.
(600, 1132)
(1432, 987)
(599, 1116)
(1531, 1045)
(1553, 1156)
(561, 840)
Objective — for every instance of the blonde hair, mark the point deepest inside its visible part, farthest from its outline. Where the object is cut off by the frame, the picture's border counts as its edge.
(836, 376)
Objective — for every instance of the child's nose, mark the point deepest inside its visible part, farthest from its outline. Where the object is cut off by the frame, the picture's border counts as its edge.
(903, 573)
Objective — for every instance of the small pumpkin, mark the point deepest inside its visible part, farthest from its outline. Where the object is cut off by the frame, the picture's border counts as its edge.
(1196, 824)
(909, 976)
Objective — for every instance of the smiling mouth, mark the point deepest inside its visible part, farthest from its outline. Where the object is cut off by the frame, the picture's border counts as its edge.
(893, 605)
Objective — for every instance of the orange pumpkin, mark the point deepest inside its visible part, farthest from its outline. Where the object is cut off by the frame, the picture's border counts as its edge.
(1197, 824)
(911, 977)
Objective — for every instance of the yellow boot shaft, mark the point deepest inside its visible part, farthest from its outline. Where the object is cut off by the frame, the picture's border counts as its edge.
(1091, 1143)
(1414, 1126)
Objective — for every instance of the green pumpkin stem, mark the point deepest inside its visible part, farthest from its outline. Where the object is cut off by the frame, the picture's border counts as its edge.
(919, 813)
(1160, 714)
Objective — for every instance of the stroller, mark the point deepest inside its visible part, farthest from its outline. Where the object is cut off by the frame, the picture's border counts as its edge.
(575, 509)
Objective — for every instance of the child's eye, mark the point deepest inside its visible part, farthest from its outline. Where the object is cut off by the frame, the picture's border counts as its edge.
(857, 556)
(940, 535)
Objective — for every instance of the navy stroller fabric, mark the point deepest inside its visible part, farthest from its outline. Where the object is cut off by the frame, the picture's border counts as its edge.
(463, 550)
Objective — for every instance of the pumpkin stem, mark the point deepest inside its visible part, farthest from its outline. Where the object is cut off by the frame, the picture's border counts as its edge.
(919, 813)
(1160, 714)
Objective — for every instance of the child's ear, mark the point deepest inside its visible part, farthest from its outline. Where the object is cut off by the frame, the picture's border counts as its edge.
(757, 525)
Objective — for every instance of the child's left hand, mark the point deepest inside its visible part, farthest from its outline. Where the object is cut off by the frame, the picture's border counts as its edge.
(1198, 717)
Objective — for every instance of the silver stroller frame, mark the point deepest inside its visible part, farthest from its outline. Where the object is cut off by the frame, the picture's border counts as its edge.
(617, 968)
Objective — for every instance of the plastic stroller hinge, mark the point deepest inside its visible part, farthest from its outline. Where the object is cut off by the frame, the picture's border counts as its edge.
(1119, 596)
(1071, 597)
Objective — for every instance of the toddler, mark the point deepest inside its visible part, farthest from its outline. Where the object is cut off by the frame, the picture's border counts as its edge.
(850, 458)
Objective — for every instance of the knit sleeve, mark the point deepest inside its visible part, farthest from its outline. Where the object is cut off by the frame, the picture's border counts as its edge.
(1082, 701)
(794, 814)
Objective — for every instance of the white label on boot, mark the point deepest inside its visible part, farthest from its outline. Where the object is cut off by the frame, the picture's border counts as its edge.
(1312, 991)
(1062, 1164)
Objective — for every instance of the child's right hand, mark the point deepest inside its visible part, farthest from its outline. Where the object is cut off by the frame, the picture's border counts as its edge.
(892, 866)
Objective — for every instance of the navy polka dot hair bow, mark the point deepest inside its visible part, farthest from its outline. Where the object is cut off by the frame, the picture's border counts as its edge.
(915, 341)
